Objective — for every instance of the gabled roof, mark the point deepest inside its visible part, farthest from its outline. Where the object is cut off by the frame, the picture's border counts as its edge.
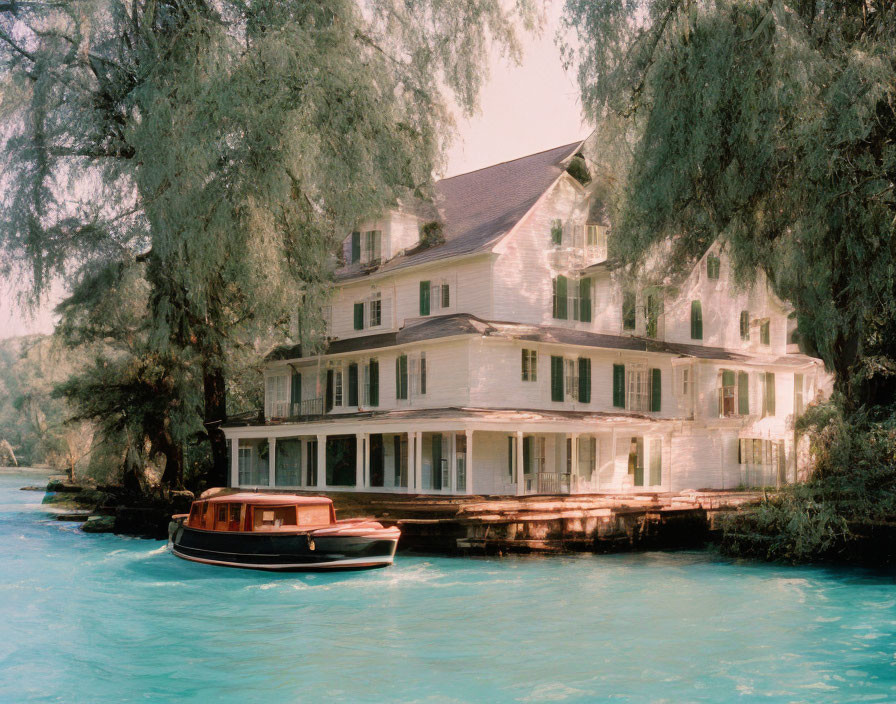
(480, 207)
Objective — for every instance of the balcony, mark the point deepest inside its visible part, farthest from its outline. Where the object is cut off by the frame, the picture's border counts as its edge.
(294, 411)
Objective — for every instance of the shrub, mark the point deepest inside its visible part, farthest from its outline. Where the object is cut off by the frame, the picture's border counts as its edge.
(853, 485)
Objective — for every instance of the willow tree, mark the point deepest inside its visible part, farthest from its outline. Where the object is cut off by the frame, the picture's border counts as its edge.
(224, 144)
(771, 126)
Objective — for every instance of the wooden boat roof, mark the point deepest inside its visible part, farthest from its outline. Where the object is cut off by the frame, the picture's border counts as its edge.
(269, 499)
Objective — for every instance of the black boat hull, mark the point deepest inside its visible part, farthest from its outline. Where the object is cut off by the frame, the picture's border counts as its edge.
(297, 552)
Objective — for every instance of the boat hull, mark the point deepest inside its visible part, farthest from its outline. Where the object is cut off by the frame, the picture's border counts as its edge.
(297, 552)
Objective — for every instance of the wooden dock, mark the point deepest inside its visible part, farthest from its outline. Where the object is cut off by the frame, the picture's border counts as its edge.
(546, 524)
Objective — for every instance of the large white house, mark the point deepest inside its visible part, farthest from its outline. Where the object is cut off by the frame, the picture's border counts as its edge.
(501, 356)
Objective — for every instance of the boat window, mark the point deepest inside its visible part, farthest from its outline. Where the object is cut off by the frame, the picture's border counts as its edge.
(274, 517)
(222, 513)
(314, 515)
(235, 512)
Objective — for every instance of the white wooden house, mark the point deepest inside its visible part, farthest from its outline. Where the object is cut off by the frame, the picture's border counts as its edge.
(504, 358)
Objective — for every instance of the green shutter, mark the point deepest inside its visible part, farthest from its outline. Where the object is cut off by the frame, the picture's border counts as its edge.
(770, 393)
(329, 393)
(374, 383)
(727, 377)
(585, 300)
(743, 393)
(527, 455)
(359, 316)
(562, 293)
(696, 320)
(356, 247)
(401, 376)
(556, 378)
(424, 298)
(619, 385)
(352, 384)
(295, 392)
(744, 325)
(656, 390)
(765, 333)
(584, 380)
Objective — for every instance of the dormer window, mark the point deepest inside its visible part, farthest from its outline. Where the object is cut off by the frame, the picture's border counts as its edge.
(366, 247)
(369, 312)
(596, 236)
(713, 266)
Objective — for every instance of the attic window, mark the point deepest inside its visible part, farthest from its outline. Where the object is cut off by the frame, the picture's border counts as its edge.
(579, 170)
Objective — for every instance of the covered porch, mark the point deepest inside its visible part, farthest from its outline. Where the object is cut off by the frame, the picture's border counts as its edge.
(456, 452)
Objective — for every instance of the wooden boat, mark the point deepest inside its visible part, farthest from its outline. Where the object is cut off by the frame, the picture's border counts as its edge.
(281, 532)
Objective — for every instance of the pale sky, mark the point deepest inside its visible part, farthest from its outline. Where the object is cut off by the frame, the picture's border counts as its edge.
(524, 109)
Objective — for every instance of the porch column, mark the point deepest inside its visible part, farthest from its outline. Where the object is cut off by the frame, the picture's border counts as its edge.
(573, 460)
(321, 461)
(418, 461)
(234, 462)
(469, 461)
(520, 468)
(359, 461)
(272, 460)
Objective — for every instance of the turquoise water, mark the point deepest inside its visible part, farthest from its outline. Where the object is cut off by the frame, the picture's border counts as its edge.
(99, 618)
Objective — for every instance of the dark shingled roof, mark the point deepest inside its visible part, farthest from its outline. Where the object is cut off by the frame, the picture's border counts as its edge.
(480, 207)
(420, 329)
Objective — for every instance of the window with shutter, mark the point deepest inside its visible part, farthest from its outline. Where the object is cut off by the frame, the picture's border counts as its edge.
(629, 310)
(529, 365)
(744, 325)
(619, 385)
(424, 297)
(337, 387)
(584, 380)
(556, 378)
(359, 316)
(571, 385)
(375, 313)
(765, 332)
(560, 297)
(696, 320)
(585, 300)
(637, 387)
(401, 377)
(352, 385)
(713, 266)
(656, 390)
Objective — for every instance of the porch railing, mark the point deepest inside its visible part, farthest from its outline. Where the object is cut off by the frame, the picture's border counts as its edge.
(553, 483)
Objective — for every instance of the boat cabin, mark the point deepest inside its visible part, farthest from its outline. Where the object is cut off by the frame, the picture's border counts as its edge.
(255, 513)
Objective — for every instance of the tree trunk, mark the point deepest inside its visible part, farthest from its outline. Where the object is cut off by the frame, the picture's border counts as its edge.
(215, 415)
(173, 476)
